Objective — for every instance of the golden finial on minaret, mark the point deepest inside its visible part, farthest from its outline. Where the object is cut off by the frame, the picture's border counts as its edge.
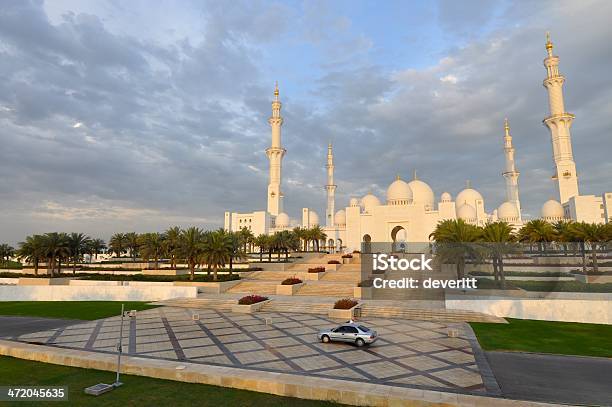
(397, 177)
(549, 44)
(276, 91)
(506, 126)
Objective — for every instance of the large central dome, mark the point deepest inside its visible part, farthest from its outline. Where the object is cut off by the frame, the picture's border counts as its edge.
(422, 194)
(399, 193)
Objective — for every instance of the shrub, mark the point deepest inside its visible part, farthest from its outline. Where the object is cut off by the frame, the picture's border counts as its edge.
(347, 256)
(251, 299)
(333, 262)
(316, 270)
(345, 303)
(291, 281)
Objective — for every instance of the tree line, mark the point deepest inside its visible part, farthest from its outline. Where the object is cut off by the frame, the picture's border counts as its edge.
(193, 246)
(458, 241)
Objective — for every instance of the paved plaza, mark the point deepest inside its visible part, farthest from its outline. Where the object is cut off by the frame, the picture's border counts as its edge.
(417, 354)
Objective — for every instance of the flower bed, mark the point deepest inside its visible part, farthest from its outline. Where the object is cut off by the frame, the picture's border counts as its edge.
(356, 251)
(345, 303)
(291, 281)
(316, 270)
(347, 256)
(333, 262)
(251, 299)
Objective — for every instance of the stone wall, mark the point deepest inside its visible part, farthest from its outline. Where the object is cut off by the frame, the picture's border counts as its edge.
(94, 293)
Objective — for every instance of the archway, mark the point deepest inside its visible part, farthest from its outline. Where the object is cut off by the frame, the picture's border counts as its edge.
(366, 244)
(330, 245)
(339, 245)
(399, 237)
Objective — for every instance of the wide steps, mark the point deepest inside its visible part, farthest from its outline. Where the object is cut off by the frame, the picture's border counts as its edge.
(199, 303)
(297, 307)
(270, 275)
(368, 310)
(342, 276)
(326, 290)
(254, 287)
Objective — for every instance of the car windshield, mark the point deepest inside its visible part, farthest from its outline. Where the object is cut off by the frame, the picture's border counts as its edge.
(364, 329)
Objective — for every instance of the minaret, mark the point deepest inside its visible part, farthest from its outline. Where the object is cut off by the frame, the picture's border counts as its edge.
(330, 188)
(559, 123)
(510, 173)
(275, 154)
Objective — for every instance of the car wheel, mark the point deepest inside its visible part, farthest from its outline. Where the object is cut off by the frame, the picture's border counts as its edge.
(360, 342)
(325, 339)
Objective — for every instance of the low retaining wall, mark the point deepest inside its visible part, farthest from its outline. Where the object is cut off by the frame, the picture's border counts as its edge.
(282, 384)
(568, 307)
(94, 293)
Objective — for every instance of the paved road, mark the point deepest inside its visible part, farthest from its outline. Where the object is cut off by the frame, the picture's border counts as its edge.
(553, 378)
(15, 326)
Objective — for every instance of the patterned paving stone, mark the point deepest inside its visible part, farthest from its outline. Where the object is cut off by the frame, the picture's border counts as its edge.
(459, 377)
(409, 353)
(315, 362)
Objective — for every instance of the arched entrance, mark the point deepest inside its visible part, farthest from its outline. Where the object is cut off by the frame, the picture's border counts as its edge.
(366, 245)
(330, 245)
(339, 245)
(399, 237)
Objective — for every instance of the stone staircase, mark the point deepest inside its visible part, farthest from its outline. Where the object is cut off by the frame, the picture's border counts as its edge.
(222, 304)
(270, 275)
(254, 287)
(326, 289)
(297, 307)
(435, 314)
(349, 277)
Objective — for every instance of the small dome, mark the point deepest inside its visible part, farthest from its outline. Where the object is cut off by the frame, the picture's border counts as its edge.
(422, 194)
(467, 212)
(507, 212)
(313, 218)
(282, 220)
(468, 195)
(552, 210)
(446, 197)
(399, 193)
(354, 202)
(369, 201)
(340, 218)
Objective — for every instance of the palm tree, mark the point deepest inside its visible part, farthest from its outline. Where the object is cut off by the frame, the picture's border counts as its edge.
(564, 233)
(55, 248)
(317, 234)
(77, 244)
(151, 245)
(217, 251)
(118, 243)
(246, 238)
(6, 252)
(537, 231)
(95, 247)
(261, 241)
(32, 251)
(132, 244)
(593, 234)
(301, 234)
(191, 248)
(171, 244)
(235, 244)
(497, 238)
(455, 241)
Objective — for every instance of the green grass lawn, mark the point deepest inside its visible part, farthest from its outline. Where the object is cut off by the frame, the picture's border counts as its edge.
(86, 310)
(563, 338)
(136, 391)
(548, 286)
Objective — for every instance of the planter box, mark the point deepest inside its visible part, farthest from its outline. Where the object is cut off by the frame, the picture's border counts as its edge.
(288, 289)
(43, 281)
(313, 276)
(342, 313)
(165, 272)
(214, 287)
(248, 309)
(363, 293)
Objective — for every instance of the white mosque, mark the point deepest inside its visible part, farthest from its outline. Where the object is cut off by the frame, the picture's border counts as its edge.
(410, 211)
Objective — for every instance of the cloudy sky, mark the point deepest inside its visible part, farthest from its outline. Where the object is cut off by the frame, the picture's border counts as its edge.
(124, 116)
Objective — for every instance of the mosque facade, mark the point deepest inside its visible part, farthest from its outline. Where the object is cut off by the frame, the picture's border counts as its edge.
(410, 211)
